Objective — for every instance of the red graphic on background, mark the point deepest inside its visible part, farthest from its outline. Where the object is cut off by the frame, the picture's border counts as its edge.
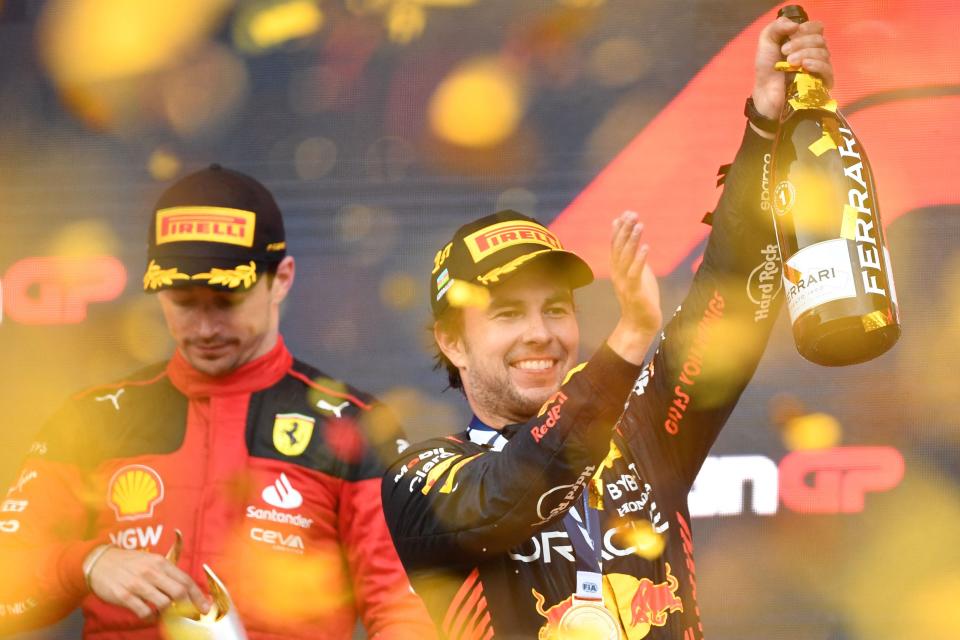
(58, 290)
(667, 173)
(837, 480)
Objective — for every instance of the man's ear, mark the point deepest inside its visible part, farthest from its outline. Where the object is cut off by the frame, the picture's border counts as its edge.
(450, 341)
(283, 279)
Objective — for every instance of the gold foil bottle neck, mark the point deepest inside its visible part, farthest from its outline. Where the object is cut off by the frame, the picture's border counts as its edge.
(785, 66)
(806, 91)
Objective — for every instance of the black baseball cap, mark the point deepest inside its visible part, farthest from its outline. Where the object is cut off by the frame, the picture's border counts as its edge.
(485, 251)
(216, 227)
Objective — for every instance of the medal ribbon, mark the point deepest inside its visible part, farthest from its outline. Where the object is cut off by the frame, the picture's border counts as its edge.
(585, 537)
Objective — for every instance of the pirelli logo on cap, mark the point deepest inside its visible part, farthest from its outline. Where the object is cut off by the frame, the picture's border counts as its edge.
(489, 240)
(206, 224)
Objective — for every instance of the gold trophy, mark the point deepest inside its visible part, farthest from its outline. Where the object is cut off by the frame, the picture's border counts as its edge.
(183, 621)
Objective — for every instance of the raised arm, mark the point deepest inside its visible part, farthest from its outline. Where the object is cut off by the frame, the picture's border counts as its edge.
(713, 343)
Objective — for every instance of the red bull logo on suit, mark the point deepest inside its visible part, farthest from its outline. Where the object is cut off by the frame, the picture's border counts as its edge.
(639, 604)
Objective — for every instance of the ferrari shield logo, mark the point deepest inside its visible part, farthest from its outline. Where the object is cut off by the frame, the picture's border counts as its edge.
(292, 432)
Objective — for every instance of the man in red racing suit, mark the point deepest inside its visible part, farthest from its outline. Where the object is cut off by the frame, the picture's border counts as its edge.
(269, 468)
(571, 521)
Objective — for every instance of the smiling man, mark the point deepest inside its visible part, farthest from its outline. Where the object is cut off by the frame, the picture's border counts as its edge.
(270, 469)
(510, 368)
(560, 512)
(507, 333)
(515, 336)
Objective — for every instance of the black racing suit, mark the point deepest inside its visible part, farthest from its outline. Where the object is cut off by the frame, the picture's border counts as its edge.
(477, 518)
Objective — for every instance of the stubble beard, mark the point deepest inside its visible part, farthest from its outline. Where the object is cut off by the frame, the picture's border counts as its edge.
(501, 398)
(214, 368)
(232, 359)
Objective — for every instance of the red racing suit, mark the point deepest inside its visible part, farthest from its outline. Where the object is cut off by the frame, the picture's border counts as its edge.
(480, 518)
(272, 473)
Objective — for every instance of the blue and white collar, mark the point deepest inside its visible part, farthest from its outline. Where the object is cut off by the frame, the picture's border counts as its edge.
(485, 435)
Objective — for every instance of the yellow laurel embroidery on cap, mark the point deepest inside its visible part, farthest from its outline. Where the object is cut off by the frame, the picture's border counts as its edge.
(156, 276)
(245, 274)
(494, 274)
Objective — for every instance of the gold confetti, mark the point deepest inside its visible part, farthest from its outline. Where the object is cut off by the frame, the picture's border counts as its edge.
(464, 294)
(848, 227)
(267, 25)
(163, 165)
(812, 431)
(647, 543)
(479, 105)
(824, 144)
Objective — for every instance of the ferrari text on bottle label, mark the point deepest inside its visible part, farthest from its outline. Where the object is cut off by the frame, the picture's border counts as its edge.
(817, 274)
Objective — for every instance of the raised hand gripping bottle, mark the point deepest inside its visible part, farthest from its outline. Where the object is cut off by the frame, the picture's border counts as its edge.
(836, 267)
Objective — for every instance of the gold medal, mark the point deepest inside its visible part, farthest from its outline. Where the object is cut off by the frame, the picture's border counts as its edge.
(588, 620)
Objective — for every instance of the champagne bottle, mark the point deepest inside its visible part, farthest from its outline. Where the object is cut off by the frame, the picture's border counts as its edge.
(836, 267)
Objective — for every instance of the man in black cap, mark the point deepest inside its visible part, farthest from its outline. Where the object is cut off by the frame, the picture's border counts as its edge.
(269, 469)
(561, 511)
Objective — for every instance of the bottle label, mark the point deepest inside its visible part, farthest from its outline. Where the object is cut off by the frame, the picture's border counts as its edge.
(818, 274)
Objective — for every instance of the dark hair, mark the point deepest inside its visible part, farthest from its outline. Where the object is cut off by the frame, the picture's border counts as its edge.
(270, 271)
(450, 320)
